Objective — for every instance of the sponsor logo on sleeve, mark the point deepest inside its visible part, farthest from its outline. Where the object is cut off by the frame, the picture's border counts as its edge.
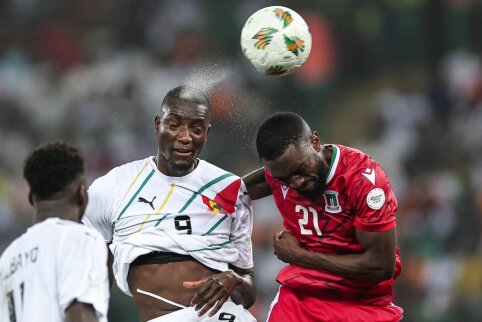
(376, 198)
(284, 190)
(370, 175)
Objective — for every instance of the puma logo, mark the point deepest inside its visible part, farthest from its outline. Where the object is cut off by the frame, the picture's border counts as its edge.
(151, 203)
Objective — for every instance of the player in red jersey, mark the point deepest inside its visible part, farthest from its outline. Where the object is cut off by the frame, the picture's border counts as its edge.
(340, 232)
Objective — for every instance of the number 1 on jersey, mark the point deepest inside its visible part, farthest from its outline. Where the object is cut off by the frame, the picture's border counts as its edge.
(305, 221)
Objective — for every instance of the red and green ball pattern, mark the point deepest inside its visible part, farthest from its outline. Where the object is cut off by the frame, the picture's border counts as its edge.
(284, 16)
(275, 70)
(264, 37)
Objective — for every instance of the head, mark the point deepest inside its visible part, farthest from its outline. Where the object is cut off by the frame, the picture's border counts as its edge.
(182, 128)
(55, 174)
(292, 153)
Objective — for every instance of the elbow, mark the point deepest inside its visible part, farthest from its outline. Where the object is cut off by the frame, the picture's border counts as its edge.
(383, 272)
(250, 302)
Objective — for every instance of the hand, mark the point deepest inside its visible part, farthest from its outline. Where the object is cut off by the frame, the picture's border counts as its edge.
(214, 290)
(286, 247)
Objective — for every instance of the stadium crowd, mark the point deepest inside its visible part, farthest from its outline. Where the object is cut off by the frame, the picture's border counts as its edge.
(382, 77)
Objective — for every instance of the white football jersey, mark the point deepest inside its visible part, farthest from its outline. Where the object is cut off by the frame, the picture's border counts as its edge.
(206, 214)
(52, 264)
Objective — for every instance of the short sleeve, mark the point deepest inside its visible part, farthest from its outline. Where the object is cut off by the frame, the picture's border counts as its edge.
(241, 229)
(373, 199)
(98, 213)
(82, 271)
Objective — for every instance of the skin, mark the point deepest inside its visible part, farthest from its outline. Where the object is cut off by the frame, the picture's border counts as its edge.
(299, 167)
(68, 204)
(80, 312)
(182, 129)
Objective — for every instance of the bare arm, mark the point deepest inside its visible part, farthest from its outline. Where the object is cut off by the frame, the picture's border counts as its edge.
(245, 292)
(214, 291)
(377, 262)
(256, 184)
(80, 312)
(110, 271)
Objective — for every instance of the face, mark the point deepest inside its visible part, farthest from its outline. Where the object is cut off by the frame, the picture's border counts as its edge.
(182, 130)
(302, 168)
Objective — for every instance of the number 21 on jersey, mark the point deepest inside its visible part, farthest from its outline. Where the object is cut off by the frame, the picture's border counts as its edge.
(310, 219)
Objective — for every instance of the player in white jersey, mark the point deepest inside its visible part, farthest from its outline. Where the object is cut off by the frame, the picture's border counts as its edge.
(179, 228)
(56, 271)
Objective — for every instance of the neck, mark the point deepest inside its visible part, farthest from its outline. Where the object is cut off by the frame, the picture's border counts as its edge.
(173, 171)
(55, 209)
(326, 155)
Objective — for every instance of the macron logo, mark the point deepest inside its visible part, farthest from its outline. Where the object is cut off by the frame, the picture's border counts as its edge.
(370, 175)
(284, 190)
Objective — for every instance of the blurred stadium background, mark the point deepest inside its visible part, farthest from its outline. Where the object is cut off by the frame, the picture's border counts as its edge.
(398, 79)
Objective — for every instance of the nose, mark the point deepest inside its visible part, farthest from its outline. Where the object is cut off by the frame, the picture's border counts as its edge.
(184, 135)
(296, 182)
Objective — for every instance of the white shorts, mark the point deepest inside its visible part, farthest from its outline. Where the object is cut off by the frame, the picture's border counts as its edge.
(229, 312)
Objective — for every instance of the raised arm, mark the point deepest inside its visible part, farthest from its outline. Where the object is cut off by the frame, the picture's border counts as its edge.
(377, 261)
(256, 184)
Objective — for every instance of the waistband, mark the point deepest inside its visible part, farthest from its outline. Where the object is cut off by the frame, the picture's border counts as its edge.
(160, 258)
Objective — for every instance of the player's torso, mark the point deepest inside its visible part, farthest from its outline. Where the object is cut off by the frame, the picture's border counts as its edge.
(183, 205)
(28, 272)
(324, 224)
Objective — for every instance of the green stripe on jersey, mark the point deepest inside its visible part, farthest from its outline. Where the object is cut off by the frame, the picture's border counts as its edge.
(137, 192)
(215, 225)
(207, 185)
(216, 247)
(333, 158)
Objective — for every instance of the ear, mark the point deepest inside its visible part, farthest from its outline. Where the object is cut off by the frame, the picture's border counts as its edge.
(30, 197)
(209, 129)
(315, 141)
(157, 123)
(83, 196)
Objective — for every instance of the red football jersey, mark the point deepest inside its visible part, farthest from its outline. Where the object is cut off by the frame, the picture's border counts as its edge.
(358, 195)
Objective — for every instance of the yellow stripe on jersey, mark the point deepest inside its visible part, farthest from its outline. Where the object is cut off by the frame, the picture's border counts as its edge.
(160, 207)
(132, 184)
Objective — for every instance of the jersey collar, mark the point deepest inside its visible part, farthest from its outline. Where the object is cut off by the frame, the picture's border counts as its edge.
(335, 158)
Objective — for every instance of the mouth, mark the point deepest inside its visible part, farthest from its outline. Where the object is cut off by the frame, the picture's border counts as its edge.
(182, 152)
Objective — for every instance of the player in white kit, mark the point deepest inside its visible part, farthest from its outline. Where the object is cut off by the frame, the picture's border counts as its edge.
(57, 270)
(179, 228)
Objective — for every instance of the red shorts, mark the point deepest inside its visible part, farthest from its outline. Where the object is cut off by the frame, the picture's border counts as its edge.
(288, 306)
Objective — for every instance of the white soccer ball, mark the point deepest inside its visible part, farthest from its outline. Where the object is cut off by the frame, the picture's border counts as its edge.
(276, 40)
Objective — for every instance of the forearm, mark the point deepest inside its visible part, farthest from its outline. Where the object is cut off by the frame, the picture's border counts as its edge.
(80, 312)
(245, 292)
(364, 265)
(256, 184)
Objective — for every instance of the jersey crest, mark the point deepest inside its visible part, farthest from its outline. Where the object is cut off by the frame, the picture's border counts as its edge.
(225, 200)
(332, 205)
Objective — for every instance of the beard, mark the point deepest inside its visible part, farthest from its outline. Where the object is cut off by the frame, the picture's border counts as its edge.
(320, 185)
(180, 169)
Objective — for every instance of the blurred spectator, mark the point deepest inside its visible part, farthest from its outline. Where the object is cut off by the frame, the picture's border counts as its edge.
(402, 80)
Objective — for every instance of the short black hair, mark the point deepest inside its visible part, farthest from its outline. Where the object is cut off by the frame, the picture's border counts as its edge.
(278, 132)
(51, 167)
(190, 94)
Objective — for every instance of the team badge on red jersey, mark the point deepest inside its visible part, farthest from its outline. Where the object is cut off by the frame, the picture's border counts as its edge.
(331, 201)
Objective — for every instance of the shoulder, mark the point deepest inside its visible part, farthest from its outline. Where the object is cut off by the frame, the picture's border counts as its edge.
(5, 256)
(120, 174)
(365, 177)
(76, 231)
(211, 170)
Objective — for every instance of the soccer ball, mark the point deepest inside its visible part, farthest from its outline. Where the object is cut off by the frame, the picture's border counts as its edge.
(276, 40)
